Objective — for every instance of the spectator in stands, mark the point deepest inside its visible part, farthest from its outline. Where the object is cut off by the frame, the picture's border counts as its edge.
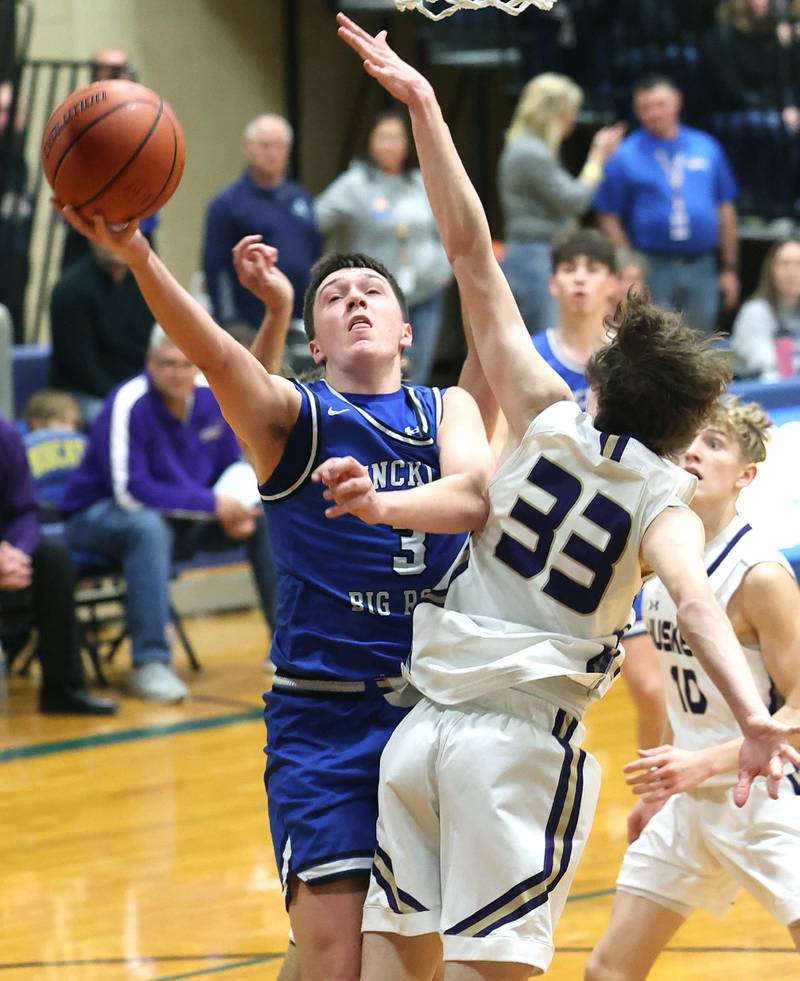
(54, 445)
(145, 493)
(668, 191)
(770, 319)
(262, 201)
(753, 78)
(583, 281)
(15, 212)
(539, 197)
(100, 327)
(632, 272)
(37, 584)
(379, 207)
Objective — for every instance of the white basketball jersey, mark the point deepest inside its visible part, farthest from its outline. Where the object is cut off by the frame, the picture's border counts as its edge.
(544, 592)
(698, 714)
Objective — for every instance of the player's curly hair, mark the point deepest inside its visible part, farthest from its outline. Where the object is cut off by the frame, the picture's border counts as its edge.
(331, 263)
(747, 422)
(657, 378)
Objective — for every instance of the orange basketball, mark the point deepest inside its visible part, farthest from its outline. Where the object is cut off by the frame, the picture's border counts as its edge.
(113, 147)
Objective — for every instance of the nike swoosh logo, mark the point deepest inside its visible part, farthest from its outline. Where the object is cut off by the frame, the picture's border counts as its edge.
(336, 412)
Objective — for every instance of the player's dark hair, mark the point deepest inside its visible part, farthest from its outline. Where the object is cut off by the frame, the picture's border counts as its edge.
(657, 379)
(583, 241)
(334, 261)
(652, 81)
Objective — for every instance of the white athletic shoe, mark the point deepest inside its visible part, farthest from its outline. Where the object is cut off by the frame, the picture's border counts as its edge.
(157, 682)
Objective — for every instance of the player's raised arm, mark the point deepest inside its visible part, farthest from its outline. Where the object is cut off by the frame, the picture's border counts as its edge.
(261, 408)
(672, 547)
(523, 383)
(256, 266)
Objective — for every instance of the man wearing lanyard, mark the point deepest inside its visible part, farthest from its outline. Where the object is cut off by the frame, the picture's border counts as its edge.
(668, 191)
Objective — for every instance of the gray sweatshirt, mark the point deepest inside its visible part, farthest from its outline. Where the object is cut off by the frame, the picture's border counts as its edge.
(753, 336)
(388, 217)
(538, 196)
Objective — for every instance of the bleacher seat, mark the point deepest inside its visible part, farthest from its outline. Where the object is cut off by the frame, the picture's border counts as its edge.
(30, 368)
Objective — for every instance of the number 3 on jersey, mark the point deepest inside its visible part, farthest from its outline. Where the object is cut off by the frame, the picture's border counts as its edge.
(610, 517)
(410, 560)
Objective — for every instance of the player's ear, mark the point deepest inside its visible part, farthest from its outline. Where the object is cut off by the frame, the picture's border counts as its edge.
(747, 476)
(317, 353)
(406, 337)
(551, 286)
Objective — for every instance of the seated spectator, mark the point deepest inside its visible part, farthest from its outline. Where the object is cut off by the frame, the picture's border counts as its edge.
(100, 327)
(16, 212)
(144, 494)
(265, 202)
(54, 445)
(37, 583)
(632, 272)
(752, 77)
(539, 197)
(379, 207)
(771, 317)
(582, 282)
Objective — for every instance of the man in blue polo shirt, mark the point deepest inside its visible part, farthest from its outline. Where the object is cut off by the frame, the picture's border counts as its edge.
(145, 493)
(261, 202)
(668, 191)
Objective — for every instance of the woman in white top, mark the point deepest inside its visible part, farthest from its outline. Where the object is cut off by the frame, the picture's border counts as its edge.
(772, 312)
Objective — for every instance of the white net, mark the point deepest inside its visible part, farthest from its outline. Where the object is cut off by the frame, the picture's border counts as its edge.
(439, 9)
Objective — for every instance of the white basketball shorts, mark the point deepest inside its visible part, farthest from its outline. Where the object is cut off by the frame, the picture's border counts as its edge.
(484, 810)
(700, 849)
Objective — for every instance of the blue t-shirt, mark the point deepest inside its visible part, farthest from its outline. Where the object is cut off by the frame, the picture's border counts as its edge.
(547, 345)
(52, 456)
(346, 589)
(638, 188)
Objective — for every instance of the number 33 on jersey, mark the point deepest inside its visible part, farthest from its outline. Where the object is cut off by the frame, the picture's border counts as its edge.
(550, 581)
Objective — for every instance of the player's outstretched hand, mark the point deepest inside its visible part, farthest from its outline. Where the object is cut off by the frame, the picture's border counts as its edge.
(399, 79)
(348, 484)
(663, 771)
(765, 751)
(256, 266)
(125, 241)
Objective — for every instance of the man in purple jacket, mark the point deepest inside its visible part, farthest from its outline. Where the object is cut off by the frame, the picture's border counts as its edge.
(144, 494)
(36, 586)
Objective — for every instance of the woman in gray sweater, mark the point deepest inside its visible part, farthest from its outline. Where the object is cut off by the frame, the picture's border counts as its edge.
(769, 322)
(378, 206)
(539, 197)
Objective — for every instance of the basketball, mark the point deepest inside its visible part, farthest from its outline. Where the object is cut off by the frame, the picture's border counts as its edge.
(113, 147)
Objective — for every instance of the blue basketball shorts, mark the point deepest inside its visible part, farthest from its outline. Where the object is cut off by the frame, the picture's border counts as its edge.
(323, 755)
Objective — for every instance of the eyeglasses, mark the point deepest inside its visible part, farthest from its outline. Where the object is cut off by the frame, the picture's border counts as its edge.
(172, 364)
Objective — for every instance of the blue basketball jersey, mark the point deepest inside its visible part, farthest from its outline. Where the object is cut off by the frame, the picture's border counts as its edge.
(347, 589)
(573, 374)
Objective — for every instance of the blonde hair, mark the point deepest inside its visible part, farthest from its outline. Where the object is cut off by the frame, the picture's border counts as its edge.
(50, 405)
(747, 422)
(541, 108)
(739, 15)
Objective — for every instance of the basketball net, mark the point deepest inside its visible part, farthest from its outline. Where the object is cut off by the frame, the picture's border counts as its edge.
(447, 7)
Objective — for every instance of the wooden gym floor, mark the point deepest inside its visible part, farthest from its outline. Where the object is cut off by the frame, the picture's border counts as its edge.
(137, 847)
